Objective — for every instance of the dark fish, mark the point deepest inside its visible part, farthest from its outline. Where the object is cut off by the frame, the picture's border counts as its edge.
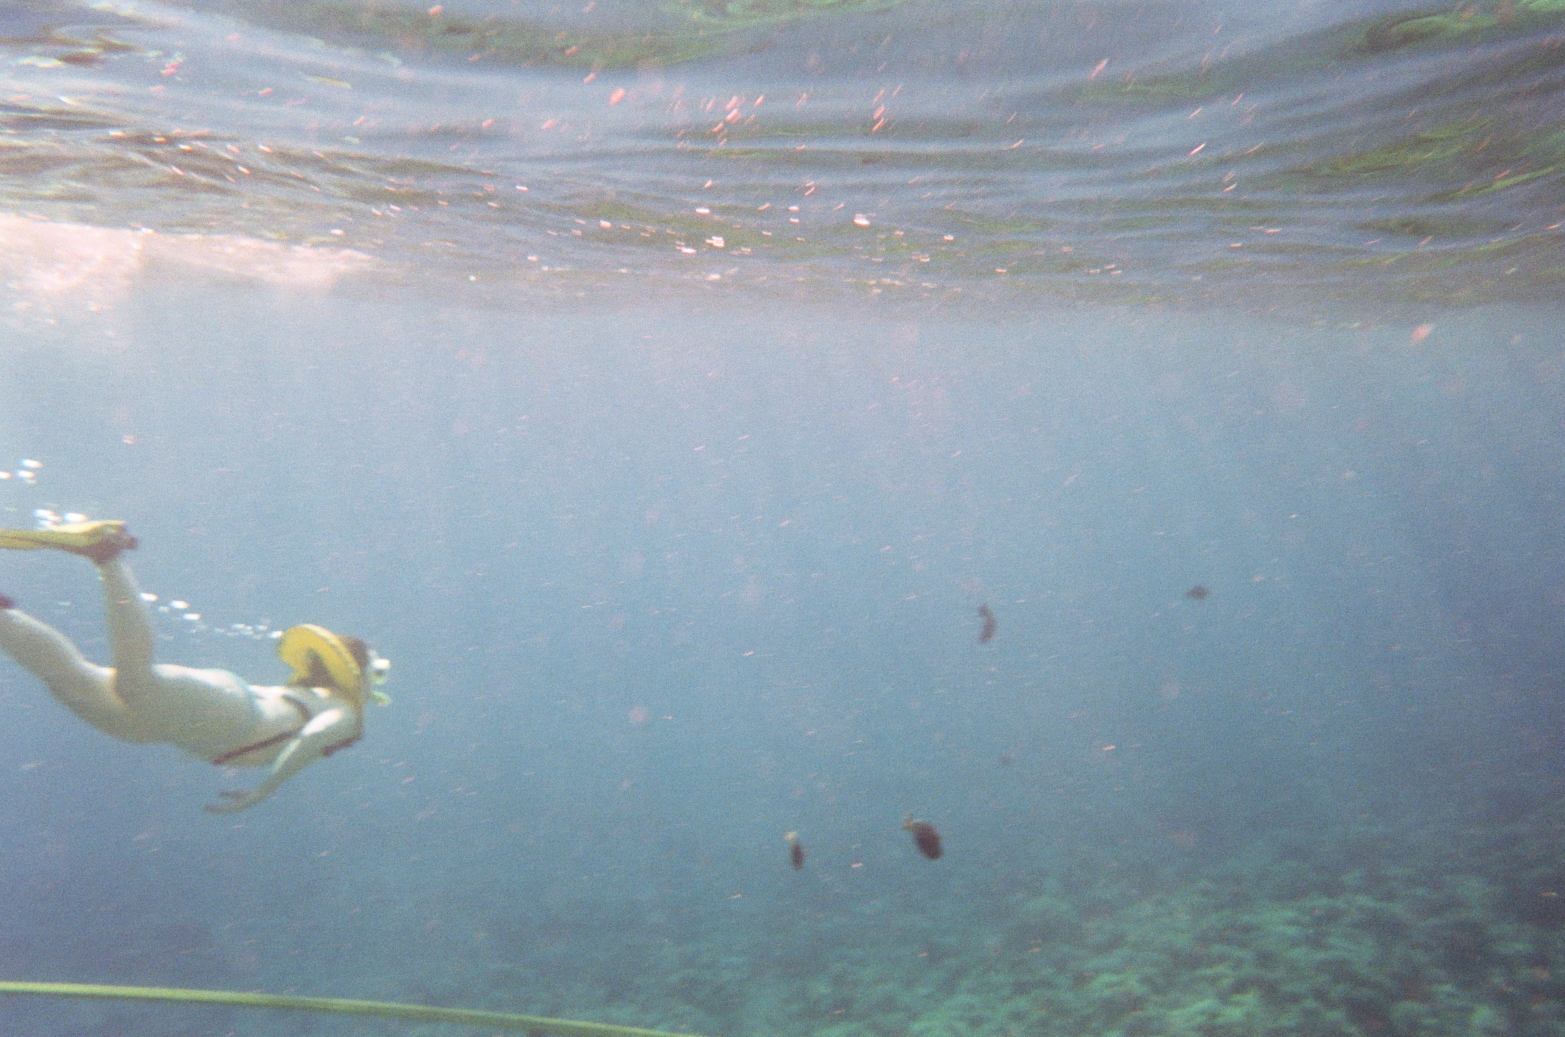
(986, 634)
(796, 851)
(1198, 592)
(925, 837)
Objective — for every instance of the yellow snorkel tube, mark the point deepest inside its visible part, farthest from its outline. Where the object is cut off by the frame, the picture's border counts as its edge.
(308, 649)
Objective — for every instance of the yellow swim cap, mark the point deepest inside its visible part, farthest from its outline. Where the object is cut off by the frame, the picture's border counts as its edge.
(311, 649)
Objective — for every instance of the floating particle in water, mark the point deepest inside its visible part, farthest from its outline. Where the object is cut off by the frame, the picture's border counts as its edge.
(924, 837)
(986, 633)
(796, 850)
(1198, 593)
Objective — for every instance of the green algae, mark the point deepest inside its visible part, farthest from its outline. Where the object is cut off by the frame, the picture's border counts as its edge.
(507, 40)
(1437, 146)
(1472, 156)
(1443, 226)
(751, 12)
(1410, 29)
(1339, 47)
(1502, 183)
(1405, 30)
(691, 30)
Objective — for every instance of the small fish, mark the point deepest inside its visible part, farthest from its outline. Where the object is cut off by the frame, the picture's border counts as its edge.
(1006, 759)
(796, 850)
(924, 837)
(986, 634)
(1198, 592)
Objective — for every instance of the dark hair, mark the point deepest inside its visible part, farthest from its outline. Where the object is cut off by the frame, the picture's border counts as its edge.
(359, 650)
(320, 677)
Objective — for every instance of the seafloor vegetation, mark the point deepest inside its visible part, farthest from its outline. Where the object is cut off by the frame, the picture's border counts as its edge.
(1364, 932)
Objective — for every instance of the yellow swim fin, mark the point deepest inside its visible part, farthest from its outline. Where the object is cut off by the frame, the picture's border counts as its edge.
(101, 540)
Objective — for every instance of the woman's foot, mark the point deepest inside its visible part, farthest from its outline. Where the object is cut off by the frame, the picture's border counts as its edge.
(108, 548)
(102, 541)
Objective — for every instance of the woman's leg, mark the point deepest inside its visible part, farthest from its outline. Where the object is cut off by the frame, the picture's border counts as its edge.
(193, 709)
(84, 688)
(131, 632)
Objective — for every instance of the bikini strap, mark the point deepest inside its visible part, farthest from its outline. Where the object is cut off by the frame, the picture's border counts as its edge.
(267, 743)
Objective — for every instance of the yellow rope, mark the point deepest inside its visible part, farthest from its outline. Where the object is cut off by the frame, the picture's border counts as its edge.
(383, 1009)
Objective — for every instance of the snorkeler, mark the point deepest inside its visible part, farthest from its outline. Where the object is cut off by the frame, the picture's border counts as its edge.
(211, 714)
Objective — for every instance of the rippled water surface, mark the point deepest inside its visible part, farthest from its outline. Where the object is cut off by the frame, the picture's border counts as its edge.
(1162, 151)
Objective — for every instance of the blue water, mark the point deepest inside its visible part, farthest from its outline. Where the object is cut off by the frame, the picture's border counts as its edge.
(675, 523)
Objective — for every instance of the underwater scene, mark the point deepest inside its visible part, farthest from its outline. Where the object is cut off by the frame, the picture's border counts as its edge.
(885, 518)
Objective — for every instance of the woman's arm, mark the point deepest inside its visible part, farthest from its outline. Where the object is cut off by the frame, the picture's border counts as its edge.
(317, 739)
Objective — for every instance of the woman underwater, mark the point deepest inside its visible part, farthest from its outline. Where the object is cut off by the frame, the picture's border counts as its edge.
(211, 714)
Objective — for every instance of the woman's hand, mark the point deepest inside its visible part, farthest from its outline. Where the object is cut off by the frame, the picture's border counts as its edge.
(320, 737)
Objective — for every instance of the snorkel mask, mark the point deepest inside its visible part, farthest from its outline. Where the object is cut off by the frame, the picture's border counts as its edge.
(379, 672)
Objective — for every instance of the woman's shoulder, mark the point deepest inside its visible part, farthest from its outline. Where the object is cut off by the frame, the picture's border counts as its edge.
(318, 699)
